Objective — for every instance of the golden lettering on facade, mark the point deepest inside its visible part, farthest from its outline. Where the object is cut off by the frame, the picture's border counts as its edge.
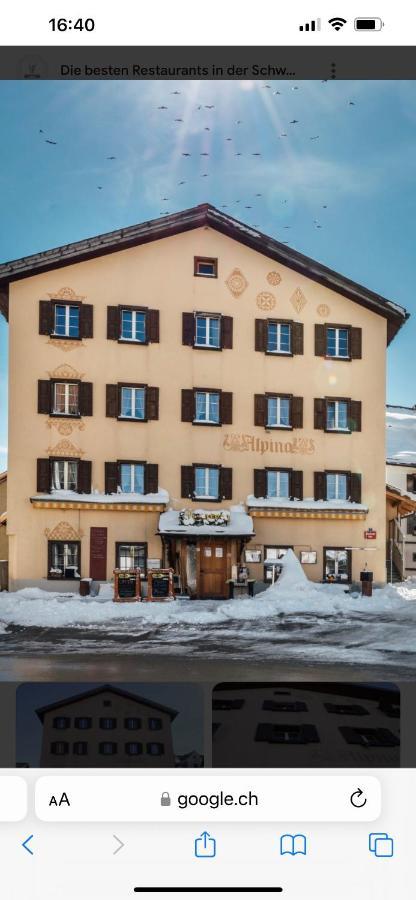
(247, 442)
(236, 282)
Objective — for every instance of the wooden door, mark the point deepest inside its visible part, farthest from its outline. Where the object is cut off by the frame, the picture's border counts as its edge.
(98, 554)
(212, 568)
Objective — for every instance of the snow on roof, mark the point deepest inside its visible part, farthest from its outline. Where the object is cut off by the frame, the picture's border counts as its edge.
(283, 503)
(239, 523)
(162, 496)
(401, 435)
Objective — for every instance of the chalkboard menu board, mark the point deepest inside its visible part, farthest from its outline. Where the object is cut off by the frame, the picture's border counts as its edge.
(127, 585)
(160, 585)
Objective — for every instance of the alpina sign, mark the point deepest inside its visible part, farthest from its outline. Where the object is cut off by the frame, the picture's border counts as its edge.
(248, 442)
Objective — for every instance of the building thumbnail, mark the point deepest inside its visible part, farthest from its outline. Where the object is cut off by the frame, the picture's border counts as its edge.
(189, 392)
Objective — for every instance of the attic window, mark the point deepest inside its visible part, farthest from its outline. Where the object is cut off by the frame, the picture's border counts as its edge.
(205, 267)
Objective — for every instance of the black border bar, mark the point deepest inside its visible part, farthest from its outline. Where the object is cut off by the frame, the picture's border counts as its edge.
(209, 890)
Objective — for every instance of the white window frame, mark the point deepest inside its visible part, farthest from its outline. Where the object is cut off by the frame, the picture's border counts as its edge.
(279, 423)
(206, 495)
(205, 262)
(338, 476)
(133, 404)
(279, 338)
(207, 419)
(67, 386)
(66, 463)
(337, 354)
(135, 313)
(207, 320)
(337, 426)
(132, 467)
(67, 307)
(278, 495)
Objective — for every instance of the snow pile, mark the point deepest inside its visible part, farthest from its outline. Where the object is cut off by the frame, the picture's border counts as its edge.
(234, 521)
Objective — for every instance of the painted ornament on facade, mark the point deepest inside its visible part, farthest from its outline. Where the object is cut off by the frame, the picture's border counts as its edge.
(66, 372)
(65, 345)
(274, 278)
(298, 300)
(65, 448)
(66, 293)
(323, 310)
(241, 443)
(63, 532)
(266, 301)
(64, 427)
(237, 282)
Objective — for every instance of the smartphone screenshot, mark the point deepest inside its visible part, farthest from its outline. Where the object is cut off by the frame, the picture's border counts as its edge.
(207, 451)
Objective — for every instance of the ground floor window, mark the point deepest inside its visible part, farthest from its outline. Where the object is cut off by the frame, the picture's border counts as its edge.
(64, 559)
(131, 556)
(273, 556)
(337, 565)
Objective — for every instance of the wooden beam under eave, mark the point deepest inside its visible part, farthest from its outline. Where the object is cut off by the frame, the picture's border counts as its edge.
(4, 302)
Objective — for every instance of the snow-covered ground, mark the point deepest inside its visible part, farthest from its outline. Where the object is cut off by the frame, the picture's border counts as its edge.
(294, 619)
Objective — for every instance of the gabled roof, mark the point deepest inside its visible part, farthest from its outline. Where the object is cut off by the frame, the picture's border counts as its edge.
(104, 689)
(197, 217)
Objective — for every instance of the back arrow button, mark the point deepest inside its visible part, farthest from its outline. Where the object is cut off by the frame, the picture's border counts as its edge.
(25, 844)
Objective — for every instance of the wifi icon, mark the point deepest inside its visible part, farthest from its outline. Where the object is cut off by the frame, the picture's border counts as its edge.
(337, 22)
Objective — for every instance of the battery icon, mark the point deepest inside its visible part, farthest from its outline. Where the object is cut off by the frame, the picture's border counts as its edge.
(374, 24)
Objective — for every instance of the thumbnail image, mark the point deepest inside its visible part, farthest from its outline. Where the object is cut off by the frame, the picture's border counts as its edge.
(206, 282)
(109, 726)
(297, 724)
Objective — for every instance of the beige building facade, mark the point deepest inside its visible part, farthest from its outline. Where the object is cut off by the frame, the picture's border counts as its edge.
(193, 364)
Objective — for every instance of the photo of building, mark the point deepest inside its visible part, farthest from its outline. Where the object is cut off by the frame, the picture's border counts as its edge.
(109, 725)
(401, 479)
(197, 395)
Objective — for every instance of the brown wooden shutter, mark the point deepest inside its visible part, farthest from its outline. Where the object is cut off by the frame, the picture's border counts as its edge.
(410, 483)
(85, 398)
(84, 476)
(188, 405)
(153, 330)
(152, 402)
(227, 332)
(319, 413)
(111, 400)
(260, 483)
(113, 323)
(319, 481)
(260, 409)
(296, 485)
(151, 478)
(44, 397)
(43, 476)
(297, 338)
(355, 415)
(260, 335)
(355, 487)
(86, 320)
(45, 317)
(226, 411)
(111, 477)
(320, 340)
(187, 481)
(188, 329)
(297, 412)
(356, 343)
(226, 484)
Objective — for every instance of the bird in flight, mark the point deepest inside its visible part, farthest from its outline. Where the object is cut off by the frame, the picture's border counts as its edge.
(248, 207)
(258, 195)
(283, 134)
(41, 131)
(210, 107)
(165, 198)
(324, 207)
(207, 129)
(205, 176)
(276, 92)
(239, 122)
(175, 93)
(111, 157)
(351, 103)
(294, 122)
(266, 86)
(238, 154)
(314, 138)
(295, 88)
(181, 182)
(99, 187)
(51, 142)
(256, 154)
(162, 107)
(228, 139)
(178, 120)
(186, 154)
(204, 154)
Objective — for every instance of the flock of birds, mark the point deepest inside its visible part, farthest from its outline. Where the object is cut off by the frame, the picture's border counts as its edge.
(243, 203)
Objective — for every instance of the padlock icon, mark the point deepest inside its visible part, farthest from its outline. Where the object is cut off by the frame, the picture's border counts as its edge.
(165, 799)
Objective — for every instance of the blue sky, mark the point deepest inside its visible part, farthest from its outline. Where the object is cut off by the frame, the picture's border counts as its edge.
(358, 161)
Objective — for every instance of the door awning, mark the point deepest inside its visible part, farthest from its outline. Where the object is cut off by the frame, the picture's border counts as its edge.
(233, 522)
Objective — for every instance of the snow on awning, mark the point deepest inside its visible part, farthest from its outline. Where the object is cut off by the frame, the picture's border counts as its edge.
(95, 500)
(233, 522)
(297, 509)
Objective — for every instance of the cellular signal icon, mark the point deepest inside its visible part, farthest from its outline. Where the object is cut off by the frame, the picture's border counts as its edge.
(314, 25)
(337, 22)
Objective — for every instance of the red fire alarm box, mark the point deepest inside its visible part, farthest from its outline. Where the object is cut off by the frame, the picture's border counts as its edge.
(370, 535)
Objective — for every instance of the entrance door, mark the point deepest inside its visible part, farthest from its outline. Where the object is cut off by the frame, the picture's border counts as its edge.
(212, 568)
(98, 554)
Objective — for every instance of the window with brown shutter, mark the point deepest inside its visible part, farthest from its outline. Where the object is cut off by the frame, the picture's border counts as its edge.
(320, 340)
(226, 332)
(260, 335)
(297, 338)
(260, 483)
(297, 412)
(152, 402)
(319, 479)
(226, 483)
(43, 477)
(113, 323)
(45, 317)
(296, 485)
(260, 409)
(226, 407)
(85, 398)
(188, 329)
(86, 320)
(411, 483)
(187, 481)
(188, 405)
(355, 487)
(111, 477)
(355, 415)
(356, 343)
(319, 413)
(153, 326)
(44, 397)
(70, 320)
(151, 478)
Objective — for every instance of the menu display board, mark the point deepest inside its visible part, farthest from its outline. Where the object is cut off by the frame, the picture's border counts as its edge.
(127, 585)
(160, 585)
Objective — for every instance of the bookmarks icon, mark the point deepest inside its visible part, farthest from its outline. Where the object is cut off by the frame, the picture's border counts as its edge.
(293, 844)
